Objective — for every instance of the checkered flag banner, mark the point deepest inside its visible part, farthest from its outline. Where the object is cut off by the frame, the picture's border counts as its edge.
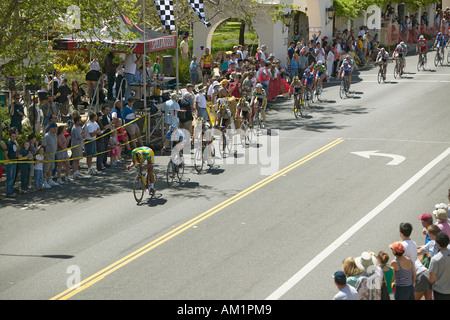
(197, 6)
(166, 13)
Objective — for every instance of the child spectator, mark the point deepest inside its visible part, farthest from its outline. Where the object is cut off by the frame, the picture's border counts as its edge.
(39, 169)
(114, 145)
(11, 154)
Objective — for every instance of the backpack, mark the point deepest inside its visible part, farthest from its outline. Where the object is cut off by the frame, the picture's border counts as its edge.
(369, 286)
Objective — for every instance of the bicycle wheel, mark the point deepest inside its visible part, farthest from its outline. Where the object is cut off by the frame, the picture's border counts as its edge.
(297, 108)
(342, 90)
(180, 171)
(436, 59)
(380, 76)
(138, 188)
(170, 174)
(396, 71)
(419, 64)
(198, 160)
(448, 57)
(441, 61)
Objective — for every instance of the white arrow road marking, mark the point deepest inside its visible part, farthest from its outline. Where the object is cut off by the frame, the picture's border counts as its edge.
(396, 159)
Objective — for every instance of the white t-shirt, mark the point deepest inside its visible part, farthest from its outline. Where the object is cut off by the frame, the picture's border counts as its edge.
(91, 127)
(201, 100)
(130, 64)
(411, 252)
(347, 293)
(39, 165)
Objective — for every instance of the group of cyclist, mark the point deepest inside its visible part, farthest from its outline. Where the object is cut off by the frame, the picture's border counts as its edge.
(246, 108)
(175, 137)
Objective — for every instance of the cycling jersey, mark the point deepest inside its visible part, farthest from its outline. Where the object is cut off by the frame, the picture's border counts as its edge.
(422, 44)
(244, 106)
(261, 94)
(308, 79)
(224, 115)
(146, 152)
(441, 40)
(383, 57)
(207, 60)
(177, 135)
(297, 86)
(347, 69)
(321, 69)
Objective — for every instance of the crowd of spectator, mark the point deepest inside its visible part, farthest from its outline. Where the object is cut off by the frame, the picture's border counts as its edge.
(403, 270)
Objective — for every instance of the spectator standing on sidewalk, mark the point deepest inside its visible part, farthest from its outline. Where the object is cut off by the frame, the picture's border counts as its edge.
(16, 113)
(11, 154)
(440, 269)
(50, 142)
(62, 154)
(346, 292)
(92, 130)
(404, 273)
(442, 220)
(421, 285)
(78, 134)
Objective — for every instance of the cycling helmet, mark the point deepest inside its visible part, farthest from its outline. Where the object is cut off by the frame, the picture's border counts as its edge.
(138, 158)
(439, 34)
(295, 79)
(173, 127)
(402, 43)
(383, 50)
(319, 62)
(345, 62)
(399, 46)
(421, 37)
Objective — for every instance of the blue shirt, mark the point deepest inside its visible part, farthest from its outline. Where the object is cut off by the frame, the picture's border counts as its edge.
(128, 114)
(177, 135)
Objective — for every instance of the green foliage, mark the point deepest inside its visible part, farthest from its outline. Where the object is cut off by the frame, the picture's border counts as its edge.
(352, 8)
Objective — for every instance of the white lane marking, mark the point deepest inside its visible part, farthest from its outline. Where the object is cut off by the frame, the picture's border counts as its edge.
(285, 287)
(396, 159)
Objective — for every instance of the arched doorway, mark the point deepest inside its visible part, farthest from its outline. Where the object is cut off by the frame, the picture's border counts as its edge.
(300, 26)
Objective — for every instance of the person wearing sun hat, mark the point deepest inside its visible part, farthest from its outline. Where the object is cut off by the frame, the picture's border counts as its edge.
(404, 273)
(442, 220)
(369, 282)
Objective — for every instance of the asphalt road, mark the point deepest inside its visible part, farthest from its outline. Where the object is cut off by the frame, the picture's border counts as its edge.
(274, 222)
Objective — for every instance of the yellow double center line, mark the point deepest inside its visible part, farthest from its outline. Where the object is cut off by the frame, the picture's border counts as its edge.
(187, 225)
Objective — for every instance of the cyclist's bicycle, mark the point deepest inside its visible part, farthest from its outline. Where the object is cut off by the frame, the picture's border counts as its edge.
(257, 118)
(204, 154)
(422, 63)
(317, 91)
(381, 73)
(299, 105)
(226, 138)
(398, 72)
(439, 58)
(141, 183)
(175, 167)
(343, 88)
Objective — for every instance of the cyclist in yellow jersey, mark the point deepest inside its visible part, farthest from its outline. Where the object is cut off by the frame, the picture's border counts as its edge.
(206, 65)
(138, 157)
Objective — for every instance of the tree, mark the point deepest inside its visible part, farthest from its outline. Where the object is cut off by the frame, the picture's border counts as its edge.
(350, 9)
(27, 25)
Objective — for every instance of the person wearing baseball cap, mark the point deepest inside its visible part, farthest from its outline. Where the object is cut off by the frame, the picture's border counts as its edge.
(346, 292)
(404, 273)
(427, 220)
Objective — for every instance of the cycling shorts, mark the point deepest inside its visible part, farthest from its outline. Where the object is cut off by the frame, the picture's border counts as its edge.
(422, 49)
(206, 71)
(320, 73)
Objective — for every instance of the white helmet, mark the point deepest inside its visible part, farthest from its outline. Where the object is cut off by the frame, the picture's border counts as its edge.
(319, 62)
(421, 37)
